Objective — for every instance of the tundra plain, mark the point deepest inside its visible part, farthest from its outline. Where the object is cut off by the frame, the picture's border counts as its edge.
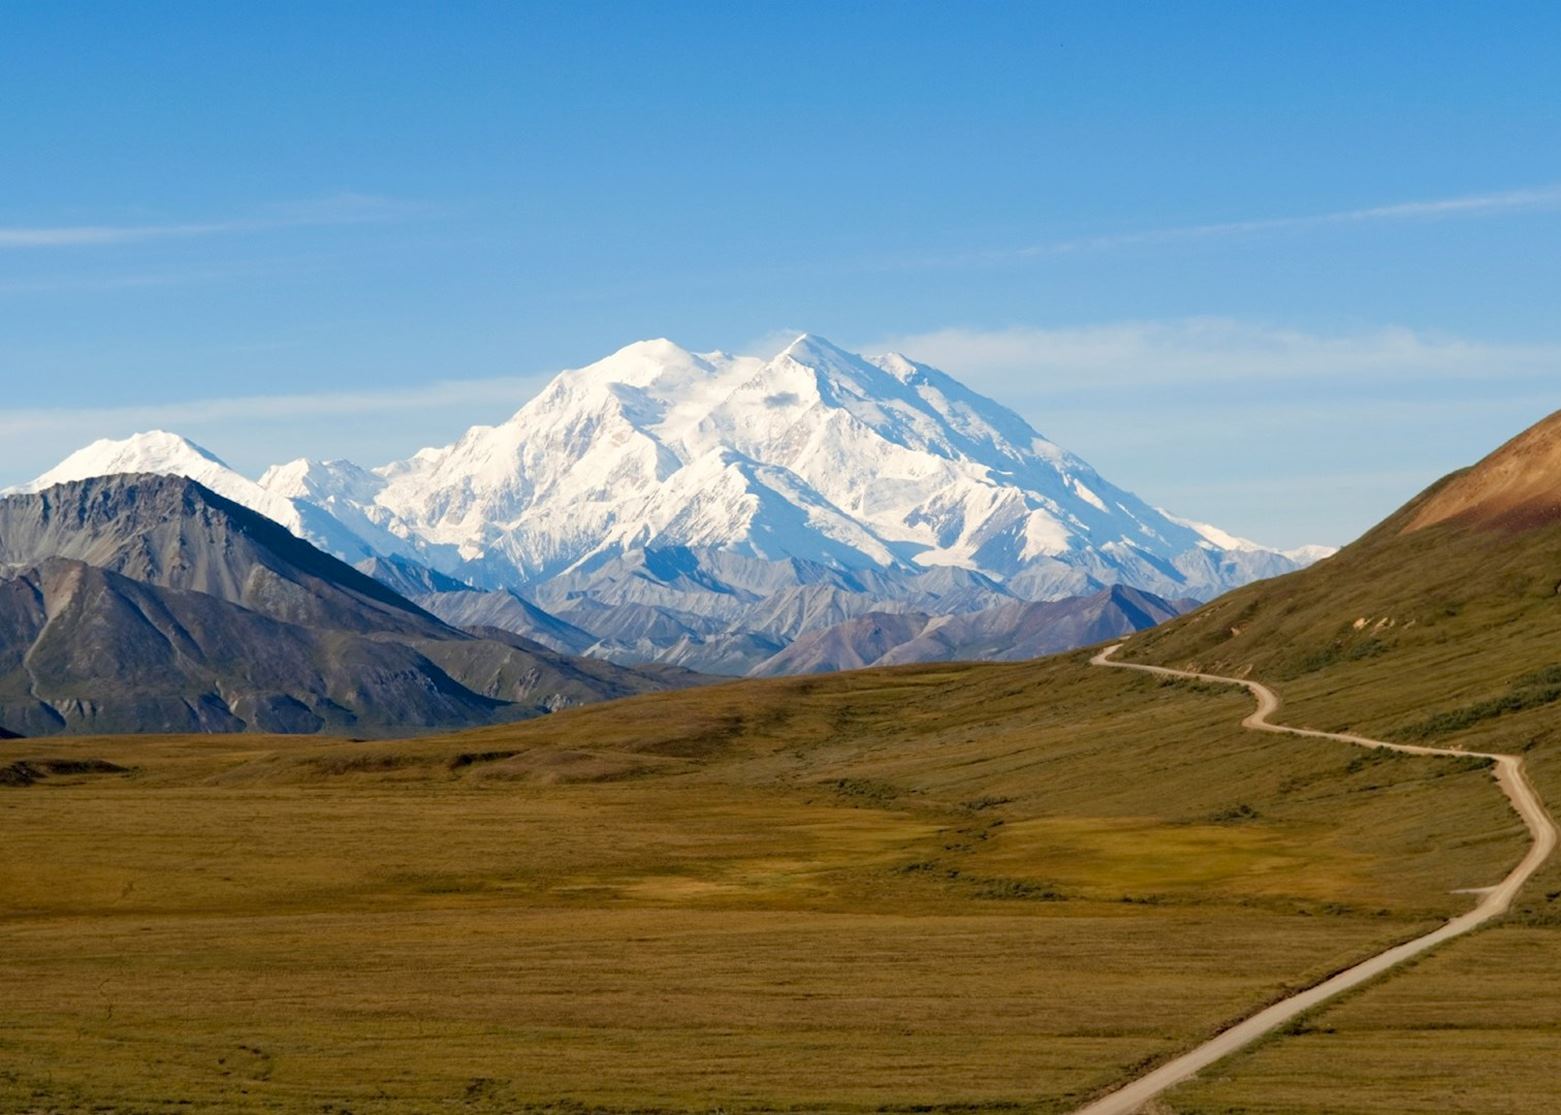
(958, 888)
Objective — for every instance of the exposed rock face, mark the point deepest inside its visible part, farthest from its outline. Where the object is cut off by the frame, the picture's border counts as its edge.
(1010, 631)
(174, 533)
(507, 611)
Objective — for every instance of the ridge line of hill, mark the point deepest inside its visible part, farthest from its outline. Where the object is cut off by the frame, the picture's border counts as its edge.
(1492, 904)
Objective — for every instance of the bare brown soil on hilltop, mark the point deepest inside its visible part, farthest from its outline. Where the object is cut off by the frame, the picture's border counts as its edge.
(1516, 487)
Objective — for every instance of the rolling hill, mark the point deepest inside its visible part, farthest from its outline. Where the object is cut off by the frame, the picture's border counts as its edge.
(1443, 621)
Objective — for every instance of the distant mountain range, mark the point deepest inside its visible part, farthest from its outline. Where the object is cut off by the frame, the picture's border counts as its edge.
(1007, 632)
(709, 510)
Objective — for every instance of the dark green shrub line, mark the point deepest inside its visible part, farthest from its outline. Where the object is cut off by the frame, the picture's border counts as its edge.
(1534, 690)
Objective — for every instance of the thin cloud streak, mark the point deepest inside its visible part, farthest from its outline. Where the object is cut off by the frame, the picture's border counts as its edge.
(1009, 364)
(511, 391)
(154, 280)
(341, 210)
(74, 235)
(1212, 350)
(1529, 200)
(1511, 201)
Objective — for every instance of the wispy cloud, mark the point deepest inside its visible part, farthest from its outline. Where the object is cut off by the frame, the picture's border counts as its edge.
(154, 280)
(339, 210)
(1476, 205)
(1534, 199)
(1210, 350)
(254, 431)
(1009, 364)
(499, 391)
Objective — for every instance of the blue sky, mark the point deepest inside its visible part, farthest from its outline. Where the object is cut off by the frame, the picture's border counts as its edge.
(1273, 266)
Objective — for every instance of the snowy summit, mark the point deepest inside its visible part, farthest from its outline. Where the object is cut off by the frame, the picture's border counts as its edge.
(817, 457)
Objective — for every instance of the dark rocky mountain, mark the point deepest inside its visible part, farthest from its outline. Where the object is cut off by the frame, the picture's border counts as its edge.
(845, 621)
(1011, 632)
(851, 645)
(407, 577)
(728, 614)
(1007, 632)
(509, 611)
(173, 533)
(149, 603)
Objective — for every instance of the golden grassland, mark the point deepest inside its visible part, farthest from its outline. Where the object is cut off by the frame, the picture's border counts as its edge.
(1444, 636)
(1474, 1027)
(931, 888)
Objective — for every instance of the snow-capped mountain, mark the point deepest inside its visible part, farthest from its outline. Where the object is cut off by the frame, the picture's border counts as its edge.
(817, 455)
(169, 455)
(733, 497)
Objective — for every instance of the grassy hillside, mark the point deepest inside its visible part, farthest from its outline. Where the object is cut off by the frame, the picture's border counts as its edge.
(1443, 625)
(1449, 635)
(944, 888)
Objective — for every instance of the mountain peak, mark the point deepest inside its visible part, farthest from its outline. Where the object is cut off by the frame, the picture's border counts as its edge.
(897, 364)
(652, 347)
(165, 439)
(810, 346)
(152, 451)
(158, 452)
(662, 366)
(320, 481)
(817, 454)
(118, 512)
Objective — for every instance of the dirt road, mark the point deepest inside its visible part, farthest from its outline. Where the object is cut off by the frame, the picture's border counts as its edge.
(1494, 902)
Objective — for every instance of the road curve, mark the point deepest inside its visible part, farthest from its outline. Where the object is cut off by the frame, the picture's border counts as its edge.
(1514, 783)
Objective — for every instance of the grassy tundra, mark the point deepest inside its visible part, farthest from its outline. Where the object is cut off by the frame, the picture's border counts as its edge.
(1448, 635)
(946, 887)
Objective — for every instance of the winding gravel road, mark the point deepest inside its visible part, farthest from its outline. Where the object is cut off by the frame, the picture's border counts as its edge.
(1493, 903)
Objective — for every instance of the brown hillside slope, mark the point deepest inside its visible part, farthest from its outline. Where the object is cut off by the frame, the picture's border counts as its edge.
(1518, 486)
